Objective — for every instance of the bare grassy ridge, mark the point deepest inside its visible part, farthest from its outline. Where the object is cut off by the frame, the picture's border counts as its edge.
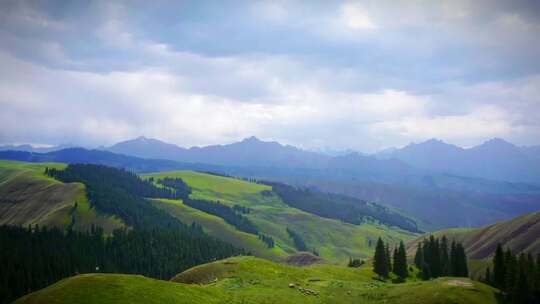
(520, 234)
(29, 197)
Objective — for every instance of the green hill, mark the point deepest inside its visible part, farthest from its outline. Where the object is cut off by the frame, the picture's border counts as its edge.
(254, 280)
(520, 234)
(29, 197)
(334, 240)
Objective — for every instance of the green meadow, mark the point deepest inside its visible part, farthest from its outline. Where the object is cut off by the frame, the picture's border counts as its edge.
(334, 240)
(254, 280)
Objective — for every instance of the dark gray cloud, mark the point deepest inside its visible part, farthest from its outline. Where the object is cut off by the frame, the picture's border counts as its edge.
(355, 74)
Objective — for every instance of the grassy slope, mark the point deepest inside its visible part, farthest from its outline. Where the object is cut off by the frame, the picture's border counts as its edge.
(520, 234)
(28, 196)
(334, 240)
(253, 280)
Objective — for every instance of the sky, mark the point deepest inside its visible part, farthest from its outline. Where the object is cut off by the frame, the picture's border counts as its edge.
(362, 75)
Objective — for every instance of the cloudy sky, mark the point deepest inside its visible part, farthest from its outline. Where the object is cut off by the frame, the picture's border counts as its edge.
(364, 75)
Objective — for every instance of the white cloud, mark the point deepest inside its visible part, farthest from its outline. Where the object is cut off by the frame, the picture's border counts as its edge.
(356, 17)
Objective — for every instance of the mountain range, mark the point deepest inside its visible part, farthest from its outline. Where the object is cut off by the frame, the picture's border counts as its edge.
(495, 159)
(474, 186)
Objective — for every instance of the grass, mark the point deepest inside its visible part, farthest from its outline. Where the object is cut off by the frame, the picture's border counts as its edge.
(519, 234)
(119, 288)
(253, 280)
(217, 227)
(334, 240)
(29, 197)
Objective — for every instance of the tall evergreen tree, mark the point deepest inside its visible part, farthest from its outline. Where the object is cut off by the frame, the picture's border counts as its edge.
(487, 276)
(388, 258)
(510, 264)
(395, 261)
(419, 256)
(380, 265)
(435, 257)
(400, 262)
(445, 259)
(499, 270)
(521, 292)
(462, 267)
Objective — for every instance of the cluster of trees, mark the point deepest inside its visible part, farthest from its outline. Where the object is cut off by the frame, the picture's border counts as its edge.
(241, 209)
(227, 213)
(384, 263)
(34, 257)
(122, 193)
(268, 240)
(181, 189)
(518, 277)
(344, 208)
(299, 243)
(435, 258)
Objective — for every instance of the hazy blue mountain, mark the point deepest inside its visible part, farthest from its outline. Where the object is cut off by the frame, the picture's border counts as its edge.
(495, 159)
(81, 155)
(438, 200)
(248, 152)
(30, 148)
(148, 148)
(533, 151)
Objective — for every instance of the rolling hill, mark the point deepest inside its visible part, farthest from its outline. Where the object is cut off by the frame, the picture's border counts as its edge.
(520, 234)
(29, 197)
(437, 200)
(253, 280)
(334, 240)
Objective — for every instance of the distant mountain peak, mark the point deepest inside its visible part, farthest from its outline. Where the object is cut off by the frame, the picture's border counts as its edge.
(497, 142)
(251, 139)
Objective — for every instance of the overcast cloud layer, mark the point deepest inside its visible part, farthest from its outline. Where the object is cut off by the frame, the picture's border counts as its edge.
(363, 75)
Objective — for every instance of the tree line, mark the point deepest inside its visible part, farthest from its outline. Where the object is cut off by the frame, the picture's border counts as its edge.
(181, 189)
(227, 213)
(516, 276)
(341, 207)
(35, 257)
(299, 243)
(384, 264)
(435, 258)
(233, 216)
(156, 245)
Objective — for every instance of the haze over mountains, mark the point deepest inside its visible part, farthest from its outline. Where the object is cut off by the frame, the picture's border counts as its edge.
(442, 185)
(495, 159)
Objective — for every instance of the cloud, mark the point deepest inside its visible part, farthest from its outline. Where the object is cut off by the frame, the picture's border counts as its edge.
(356, 17)
(362, 75)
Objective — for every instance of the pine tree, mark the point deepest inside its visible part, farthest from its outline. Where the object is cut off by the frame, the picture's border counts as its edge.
(445, 260)
(419, 256)
(453, 259)
(499, 270)
(463, 269)
(510, 265)
(521, 292)
(401, 268)
(388, 258)
(435, 257)
(487, 277)
(380, 266)
(395, 261)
